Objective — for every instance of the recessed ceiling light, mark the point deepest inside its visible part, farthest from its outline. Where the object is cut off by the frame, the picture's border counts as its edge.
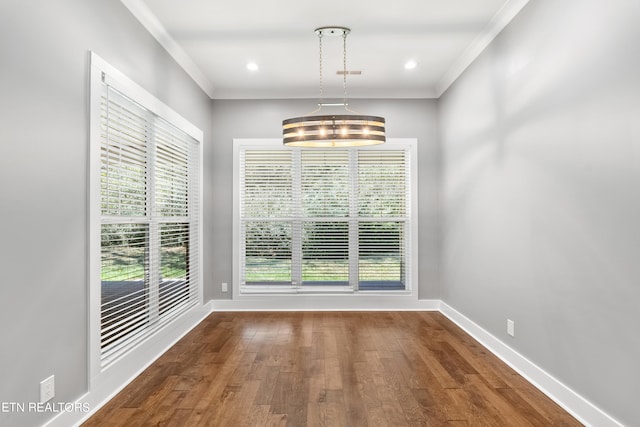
(252, 66)
(410, 65)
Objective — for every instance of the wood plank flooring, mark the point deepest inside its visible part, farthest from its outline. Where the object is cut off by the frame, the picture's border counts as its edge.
(329, 369)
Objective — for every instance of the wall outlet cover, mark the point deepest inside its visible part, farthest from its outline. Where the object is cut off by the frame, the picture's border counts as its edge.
(47, 389)
(511, 326)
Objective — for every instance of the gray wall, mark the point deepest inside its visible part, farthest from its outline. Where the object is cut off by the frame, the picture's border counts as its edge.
(540, 194)
(263, 119)
(541, 145)
(43, 170)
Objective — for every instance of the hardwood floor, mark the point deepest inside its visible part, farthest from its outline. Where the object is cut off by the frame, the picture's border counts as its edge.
(329, 369)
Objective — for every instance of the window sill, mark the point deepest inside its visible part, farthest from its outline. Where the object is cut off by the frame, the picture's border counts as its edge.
(317, 290)
(269, 290)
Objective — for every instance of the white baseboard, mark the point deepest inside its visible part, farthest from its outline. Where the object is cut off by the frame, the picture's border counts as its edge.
(583, 410)
(104, 389)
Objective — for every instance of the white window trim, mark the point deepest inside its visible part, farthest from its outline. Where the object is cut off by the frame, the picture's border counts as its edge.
(266, 293)
(98, 376)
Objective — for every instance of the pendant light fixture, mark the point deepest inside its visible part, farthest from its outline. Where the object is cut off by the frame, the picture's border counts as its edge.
(333, 130)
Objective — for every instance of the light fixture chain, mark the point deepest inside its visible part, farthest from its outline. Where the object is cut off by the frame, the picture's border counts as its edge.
(344, 65)
(321, 88)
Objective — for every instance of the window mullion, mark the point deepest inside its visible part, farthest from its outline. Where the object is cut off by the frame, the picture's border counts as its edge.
(353, 219)
(296, 223)
(153, 282)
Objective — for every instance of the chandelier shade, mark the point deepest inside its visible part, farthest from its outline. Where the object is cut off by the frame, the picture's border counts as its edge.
(333, 130)
(347, 130)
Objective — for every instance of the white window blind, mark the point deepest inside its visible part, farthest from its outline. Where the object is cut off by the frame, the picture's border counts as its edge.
(266, 211)
(149, 223)
(324, 194)
(383, 197)
(314, 218)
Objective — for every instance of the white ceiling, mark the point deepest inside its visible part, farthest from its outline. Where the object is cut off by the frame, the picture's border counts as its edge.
(214, 40)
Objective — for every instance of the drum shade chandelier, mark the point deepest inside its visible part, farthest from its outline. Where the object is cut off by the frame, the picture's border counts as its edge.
(328, 130)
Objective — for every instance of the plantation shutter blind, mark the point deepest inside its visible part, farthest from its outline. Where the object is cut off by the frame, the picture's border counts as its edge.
(324, 219)
(383, 201)
(266, 210)
(149, 231)
(324, 195)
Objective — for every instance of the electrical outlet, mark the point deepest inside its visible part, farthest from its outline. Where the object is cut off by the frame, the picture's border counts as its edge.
(225, 287)
(511, 327)
(47, 389)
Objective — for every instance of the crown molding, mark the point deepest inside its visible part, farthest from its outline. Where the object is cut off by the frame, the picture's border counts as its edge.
(499, 21)
(143, 14)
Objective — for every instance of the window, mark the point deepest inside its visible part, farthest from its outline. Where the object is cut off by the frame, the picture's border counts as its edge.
(323, 220)
(146, 168)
